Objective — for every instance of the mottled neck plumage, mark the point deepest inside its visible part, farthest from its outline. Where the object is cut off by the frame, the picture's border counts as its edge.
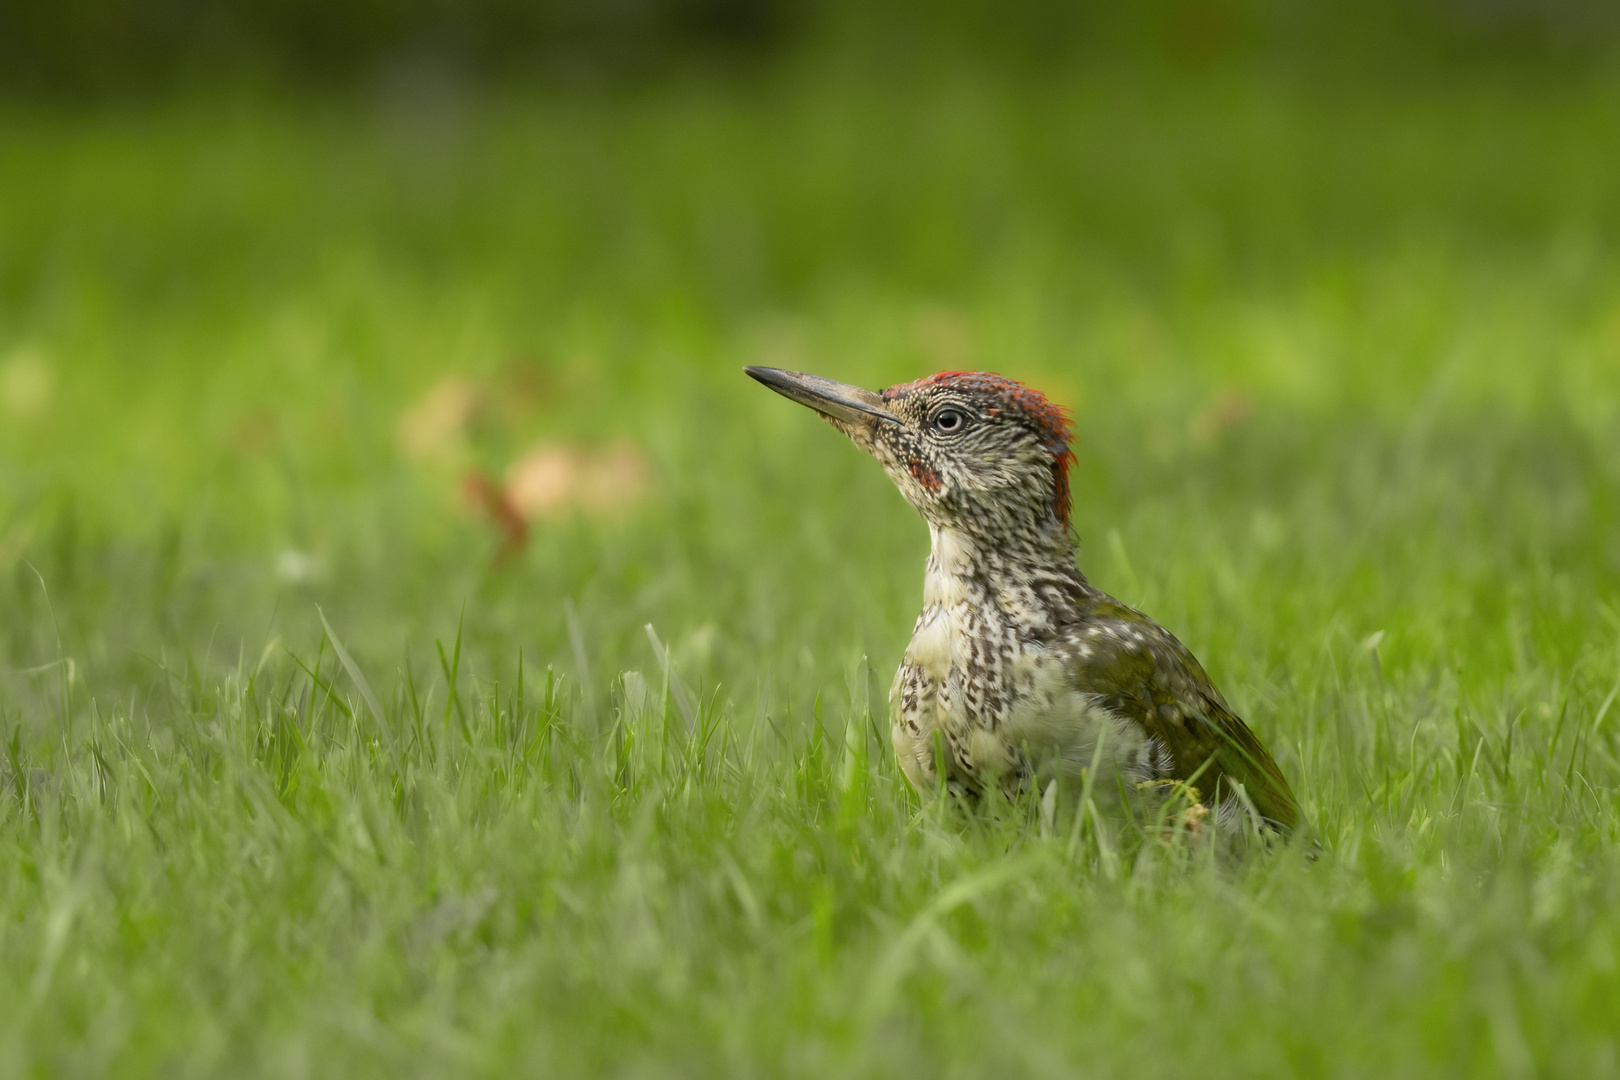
(1028, 577)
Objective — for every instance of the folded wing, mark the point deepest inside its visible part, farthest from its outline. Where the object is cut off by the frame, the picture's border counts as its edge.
(1139, 670)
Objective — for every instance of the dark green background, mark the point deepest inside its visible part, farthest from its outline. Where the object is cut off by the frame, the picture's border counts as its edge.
(77, 49)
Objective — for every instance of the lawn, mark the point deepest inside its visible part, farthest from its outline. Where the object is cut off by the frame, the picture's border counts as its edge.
(312, 767)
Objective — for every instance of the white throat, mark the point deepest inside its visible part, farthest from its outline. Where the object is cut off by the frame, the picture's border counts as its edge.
(950, 564)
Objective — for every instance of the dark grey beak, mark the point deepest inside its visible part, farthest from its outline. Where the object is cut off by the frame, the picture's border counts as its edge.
(839, 401)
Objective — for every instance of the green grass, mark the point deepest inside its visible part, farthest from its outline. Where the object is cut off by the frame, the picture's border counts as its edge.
(1345, 370)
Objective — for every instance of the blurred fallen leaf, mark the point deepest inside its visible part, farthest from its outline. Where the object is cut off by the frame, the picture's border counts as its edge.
(490, 498)
(544, 479)
(555, 478)
(439, 419)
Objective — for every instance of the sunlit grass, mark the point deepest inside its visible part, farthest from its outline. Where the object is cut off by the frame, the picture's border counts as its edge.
(302, 775)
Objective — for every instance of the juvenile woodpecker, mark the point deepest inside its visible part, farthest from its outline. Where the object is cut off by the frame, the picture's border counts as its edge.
(1018, 666)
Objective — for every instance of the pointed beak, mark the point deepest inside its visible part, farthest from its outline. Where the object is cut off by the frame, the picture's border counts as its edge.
(834, 400)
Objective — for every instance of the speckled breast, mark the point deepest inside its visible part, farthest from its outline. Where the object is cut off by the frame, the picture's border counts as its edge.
(980, 693)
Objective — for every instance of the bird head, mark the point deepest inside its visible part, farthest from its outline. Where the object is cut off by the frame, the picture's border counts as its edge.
(969, 450)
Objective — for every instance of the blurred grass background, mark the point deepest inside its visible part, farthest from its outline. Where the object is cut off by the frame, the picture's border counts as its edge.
(1332, 290)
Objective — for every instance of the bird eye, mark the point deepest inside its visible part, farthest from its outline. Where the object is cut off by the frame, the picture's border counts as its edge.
(949, 421)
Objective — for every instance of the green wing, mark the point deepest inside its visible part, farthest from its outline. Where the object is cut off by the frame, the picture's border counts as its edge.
(1139, 670)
